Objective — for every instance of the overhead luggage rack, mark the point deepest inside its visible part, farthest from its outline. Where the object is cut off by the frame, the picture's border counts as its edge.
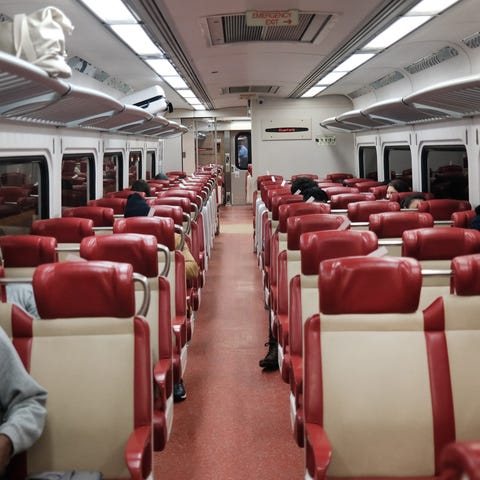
(455, 98)
(359, 119)
(25, 87)
(398, 112)
(335, 125)
(29, 94)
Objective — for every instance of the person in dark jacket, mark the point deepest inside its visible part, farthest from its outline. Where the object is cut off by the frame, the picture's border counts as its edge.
(475, 223)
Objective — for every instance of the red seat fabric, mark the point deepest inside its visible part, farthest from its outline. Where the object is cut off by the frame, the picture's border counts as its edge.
(101, 216)
(340, 201)
(117, 204)
(64, 229)
(463, 219)
(442, 209)
(27, 250)
(393, 224)
(361, 211)
(339, 189)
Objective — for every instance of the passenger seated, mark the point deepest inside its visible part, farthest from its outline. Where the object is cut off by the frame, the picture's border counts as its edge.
(412, 201)
(160, 176)
(21, 294)
(316, 193)
(396, 186)
(302, 183)
(22, 405)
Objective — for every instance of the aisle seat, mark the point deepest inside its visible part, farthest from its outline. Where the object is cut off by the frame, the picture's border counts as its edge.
(82, 350)
(365, 353)
(164, 230)
(463, 219)
(314, 248)
(338, 189)
(361, 211)
(101, 216)
(117, 204)
(145, 255)
(289, 266)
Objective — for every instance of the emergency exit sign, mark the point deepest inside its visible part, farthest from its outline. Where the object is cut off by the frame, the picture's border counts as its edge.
(280, 18)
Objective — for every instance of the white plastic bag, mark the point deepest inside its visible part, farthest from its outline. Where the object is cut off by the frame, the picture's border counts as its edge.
(39, 38)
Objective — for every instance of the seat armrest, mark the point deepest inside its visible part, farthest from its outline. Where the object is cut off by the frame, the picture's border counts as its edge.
(318, 451)
(459, 460)
(138, 453)
(162, 373)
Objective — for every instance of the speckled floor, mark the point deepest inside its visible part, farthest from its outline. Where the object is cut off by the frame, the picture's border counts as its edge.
(235, 422)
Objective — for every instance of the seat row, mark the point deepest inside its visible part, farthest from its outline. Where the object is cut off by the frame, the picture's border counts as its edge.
(149, 247)
(303, 235)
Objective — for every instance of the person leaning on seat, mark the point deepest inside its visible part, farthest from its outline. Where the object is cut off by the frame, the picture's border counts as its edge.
(137, 207)
(22, 405)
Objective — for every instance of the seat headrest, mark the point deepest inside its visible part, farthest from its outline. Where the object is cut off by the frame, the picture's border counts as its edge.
(393, 224)
(463, 219)
(138, 249)
(295, 209)
(466, 274)
(171, 211)
(84, 289)
(440, 243)
(269, 191)
(162, 228)
(101, 216)
(369, 285)
(117, 204)
(361, 211)
(338, 189)
(65, 229)
(278, 200)
(183, 202)
(442, 208)
(318, 246)
(27, 250)
(343, 199)
(268, 178)
(182, 192)
(310, 223)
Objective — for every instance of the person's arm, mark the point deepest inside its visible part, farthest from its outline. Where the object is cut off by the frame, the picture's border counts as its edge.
(22, 403)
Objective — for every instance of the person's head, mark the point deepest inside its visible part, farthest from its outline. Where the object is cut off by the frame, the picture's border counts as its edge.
(136, 206)
(413, 201)
(302, 183)
(141, 186)
(317, 193)
(160, 176)
(396, 186)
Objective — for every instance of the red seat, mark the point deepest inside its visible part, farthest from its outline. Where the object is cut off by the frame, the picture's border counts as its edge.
(442, 208)
(338, 177)
(393, 224)
(101, 216)
(339, 189)
(125, 193)
(361, 211)
(399, 196)
(365, 186)
(117, 204)
(142, 253)
(314, 248)
(304, 175)
(460, 460)
(272, 178)
(64, 229)
(340, 201)
(463, 219)
(348, 182)
(82, 350)
(379, 191)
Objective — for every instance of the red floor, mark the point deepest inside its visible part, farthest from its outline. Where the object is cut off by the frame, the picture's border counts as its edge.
(235, 421)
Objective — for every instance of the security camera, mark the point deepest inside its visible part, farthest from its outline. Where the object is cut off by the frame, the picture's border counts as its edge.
(260, 101)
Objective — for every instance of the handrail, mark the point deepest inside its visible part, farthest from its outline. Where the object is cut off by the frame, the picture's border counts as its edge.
(179, 229)
(187, 218)
(166, 252)
(142, 279)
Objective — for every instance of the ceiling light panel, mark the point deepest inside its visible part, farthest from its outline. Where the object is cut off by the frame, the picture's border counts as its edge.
(312, 92)
(331, 78)
(137, 39)
(353, 62)
(431, 7)
(110, 11)
(163, 67)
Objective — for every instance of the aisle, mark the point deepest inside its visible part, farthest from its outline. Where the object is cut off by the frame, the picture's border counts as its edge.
(234, 424)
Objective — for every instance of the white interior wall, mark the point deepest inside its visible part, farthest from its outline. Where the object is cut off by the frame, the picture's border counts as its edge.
(288, 157)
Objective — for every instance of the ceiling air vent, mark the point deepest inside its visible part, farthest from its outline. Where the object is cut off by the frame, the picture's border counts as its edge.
(387, 80)
(251, 89)
(472, 41)
(431, 60)
(233, 29)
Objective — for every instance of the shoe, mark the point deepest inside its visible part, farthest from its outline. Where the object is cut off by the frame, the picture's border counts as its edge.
(270, 362)
(179, 393)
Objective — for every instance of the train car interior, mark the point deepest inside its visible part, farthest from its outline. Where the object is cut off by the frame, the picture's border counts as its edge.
(239, 239)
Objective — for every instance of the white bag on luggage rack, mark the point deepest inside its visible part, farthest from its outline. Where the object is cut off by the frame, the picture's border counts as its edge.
(39, 38)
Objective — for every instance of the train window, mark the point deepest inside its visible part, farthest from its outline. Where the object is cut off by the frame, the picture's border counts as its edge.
(368, 162)
(134, 166)
(21, 201)
(445, 171)
(243, 151)
(397, 162)
(78, 179)
(112, 172)
(151, 167)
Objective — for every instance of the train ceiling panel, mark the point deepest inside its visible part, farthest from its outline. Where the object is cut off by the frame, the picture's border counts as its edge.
(337, 126)
(357, 118)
